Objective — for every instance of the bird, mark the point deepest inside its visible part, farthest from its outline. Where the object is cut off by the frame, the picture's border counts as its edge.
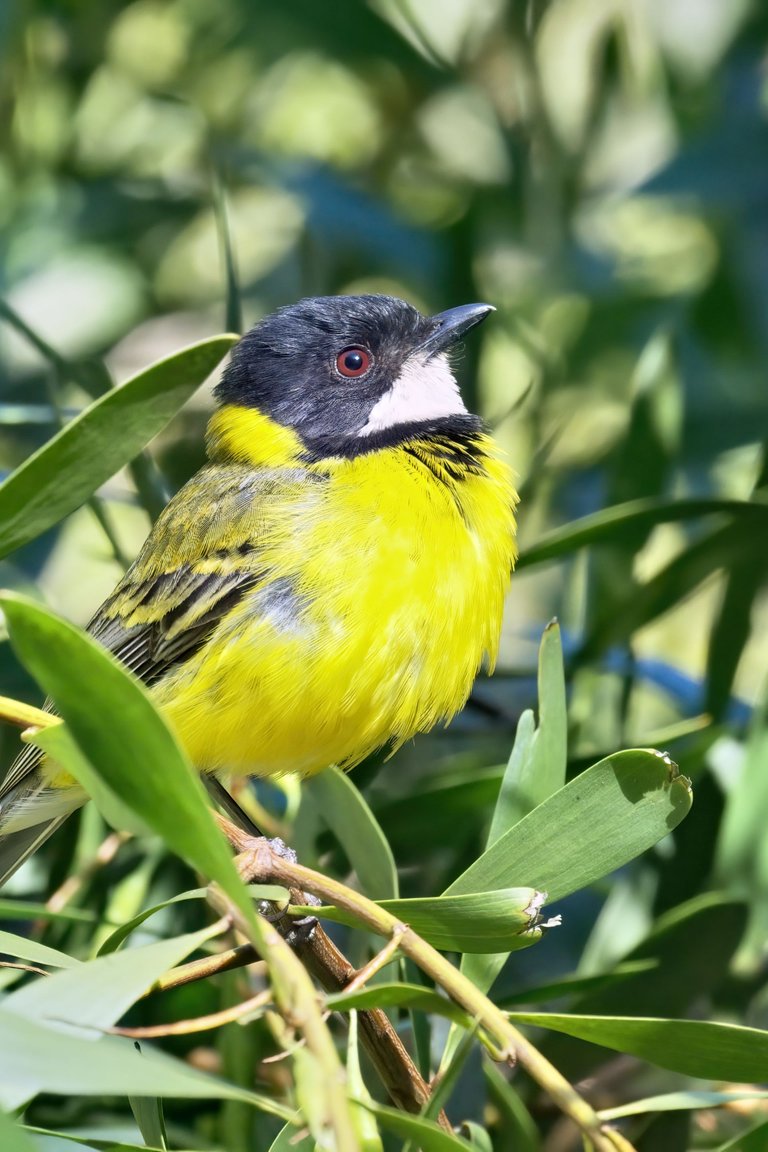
(332, 580)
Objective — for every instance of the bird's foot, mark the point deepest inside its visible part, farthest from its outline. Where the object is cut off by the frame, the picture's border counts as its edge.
(255, 863)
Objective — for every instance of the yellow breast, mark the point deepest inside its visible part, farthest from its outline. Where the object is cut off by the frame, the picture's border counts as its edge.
(383, 596)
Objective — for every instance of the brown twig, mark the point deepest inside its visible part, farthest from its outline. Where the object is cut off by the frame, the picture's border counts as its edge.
(404, 1083)
(106, 851)
(258, 863)
(239, 957)
(197, 1023)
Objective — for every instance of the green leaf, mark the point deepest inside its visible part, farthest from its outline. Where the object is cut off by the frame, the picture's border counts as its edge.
(38, 1058)
(471, 922)
(537, 764)
(30, 910)
(607, 816)
(753, 1140)
(97, 992)
(700, 1048)
(366, 1128)
(398, 996)
(535, 770)
(271, 892)
(346, 813)
(509, 803)
(723, 548)
(148, 1114)
(13, 1138)
(289, 1139)
(680, 1102)
(742, 851)
(578, 985)
(116, 726)
(78, 1137)
(519, 1123)
(58, 743)
(620, 520)
(478, 1136)
(21, 947)
(97, 443)
(425, 1134)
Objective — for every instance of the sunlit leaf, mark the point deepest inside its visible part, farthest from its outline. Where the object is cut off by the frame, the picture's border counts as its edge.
(23, 948)
(700, 1048)
(425, 1134)
(346, 813)
(115, 724)
(97, 992)
(605, 817)
(470, 922)
(41, 1058)
(98, 442)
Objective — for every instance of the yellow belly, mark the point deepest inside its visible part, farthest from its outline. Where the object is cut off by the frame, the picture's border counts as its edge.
(381, 603)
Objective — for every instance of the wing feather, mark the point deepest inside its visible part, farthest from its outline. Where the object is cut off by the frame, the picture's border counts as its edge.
(198, 562)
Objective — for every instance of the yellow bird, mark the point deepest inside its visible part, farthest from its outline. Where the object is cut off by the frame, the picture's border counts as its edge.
(332, 580)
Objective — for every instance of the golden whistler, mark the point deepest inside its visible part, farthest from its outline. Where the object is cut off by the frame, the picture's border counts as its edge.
(332, 580)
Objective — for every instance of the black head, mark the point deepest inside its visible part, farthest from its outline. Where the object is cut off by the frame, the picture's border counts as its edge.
(341, 369)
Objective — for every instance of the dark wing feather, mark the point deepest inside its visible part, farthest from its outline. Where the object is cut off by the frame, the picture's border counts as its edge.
(151, 648)
(200, 559)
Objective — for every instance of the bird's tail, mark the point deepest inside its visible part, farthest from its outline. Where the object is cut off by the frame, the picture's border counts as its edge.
(30, 811)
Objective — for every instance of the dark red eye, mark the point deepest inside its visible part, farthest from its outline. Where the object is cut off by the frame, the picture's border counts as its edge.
(353, 361)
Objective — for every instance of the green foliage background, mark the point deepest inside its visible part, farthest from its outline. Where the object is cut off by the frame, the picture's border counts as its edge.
(598, 170)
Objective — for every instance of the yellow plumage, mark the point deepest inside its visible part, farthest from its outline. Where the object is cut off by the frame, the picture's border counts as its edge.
(378, 592)
(331, 582)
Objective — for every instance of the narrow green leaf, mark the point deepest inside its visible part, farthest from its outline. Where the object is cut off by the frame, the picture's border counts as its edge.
(233, 318)
(550, 745)
(289, 1140)
(519, 1123)
(610, 524)
(57, 741)
(38, 1058)
(98, 442)
(13, 1138)
(31, 910)
(725, 547)
(471, 922)
(449, 1075)
(366, 1128)
(578, 985)
(700, 1048)
(605, 817)
(742, 852)
(96, 993)
(753, 1140)
(22, 948)
(93, 1141)
(413, 996)
(271, 892)
(508, 809)
(148, 1114)
(535, 770)
(425, 1134)
(680, 1102)
(116, 726)
(346, 813)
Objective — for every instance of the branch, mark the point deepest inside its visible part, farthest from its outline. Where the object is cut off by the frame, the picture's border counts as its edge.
(258, 863)
(404, 1083)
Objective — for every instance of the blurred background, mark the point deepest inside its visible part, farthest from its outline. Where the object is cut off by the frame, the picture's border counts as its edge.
(597, 170)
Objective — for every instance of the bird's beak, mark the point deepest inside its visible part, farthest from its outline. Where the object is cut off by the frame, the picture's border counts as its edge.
(450, 326)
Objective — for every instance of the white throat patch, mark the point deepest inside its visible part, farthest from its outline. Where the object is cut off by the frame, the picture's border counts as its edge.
(424, 390)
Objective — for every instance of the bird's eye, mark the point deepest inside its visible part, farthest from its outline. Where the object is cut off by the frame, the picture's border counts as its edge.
(354, 361)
